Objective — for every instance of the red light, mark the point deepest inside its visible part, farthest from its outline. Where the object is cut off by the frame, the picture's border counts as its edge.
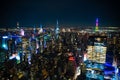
(71, 58)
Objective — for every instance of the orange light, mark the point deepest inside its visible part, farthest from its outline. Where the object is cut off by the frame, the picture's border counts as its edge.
(71, 58)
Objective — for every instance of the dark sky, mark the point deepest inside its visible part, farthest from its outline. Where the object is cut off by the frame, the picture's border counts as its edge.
(46, 12)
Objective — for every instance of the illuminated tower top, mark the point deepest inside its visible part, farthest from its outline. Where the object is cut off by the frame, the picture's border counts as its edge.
(96, 27)
(97, 22)
(57, 26)
(57, 30)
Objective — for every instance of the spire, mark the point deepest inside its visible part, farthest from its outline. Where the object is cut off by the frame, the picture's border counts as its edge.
(57, 26)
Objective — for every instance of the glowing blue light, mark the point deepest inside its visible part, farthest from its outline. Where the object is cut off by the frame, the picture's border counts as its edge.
(92, 71)
(4, 46)
(107, 64)
(109, 72)
(57, 29)
(5, 37)
(18, 57)
(116, 70)
(29, 59)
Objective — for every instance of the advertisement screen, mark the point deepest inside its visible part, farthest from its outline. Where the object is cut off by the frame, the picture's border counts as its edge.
(97, 53)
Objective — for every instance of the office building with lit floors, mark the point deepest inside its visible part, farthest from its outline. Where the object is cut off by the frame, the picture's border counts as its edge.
(96, 57)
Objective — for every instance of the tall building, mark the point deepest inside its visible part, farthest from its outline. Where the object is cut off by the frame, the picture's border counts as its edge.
(96, 57)
(57, 30)
(96, 27)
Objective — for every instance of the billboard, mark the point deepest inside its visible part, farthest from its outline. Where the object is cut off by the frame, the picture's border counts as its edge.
(97, 53)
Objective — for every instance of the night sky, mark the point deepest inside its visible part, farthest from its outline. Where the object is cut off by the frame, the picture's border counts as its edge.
(68, 12)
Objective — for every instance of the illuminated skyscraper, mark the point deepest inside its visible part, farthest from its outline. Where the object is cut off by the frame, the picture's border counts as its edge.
(57, 30)
(96, 27)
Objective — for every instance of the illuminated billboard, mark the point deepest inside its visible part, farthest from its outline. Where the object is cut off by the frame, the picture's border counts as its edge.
(96, 53)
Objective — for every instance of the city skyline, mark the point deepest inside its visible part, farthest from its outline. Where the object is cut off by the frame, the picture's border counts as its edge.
(68, 12)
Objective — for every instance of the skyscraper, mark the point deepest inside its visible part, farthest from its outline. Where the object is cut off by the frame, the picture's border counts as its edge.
(57, 30)
(96, 27)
